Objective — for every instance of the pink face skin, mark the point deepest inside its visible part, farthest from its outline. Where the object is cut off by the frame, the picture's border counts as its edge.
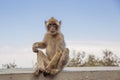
(52, 27)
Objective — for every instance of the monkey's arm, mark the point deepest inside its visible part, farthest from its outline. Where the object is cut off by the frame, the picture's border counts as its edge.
(37, 45)
(40, 45)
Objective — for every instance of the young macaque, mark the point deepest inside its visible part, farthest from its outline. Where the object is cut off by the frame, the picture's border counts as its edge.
(57, 54)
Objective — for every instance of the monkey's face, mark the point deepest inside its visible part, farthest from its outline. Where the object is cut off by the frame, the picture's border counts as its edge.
(53, 26)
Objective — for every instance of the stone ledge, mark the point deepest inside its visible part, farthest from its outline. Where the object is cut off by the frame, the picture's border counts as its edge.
(72, 73)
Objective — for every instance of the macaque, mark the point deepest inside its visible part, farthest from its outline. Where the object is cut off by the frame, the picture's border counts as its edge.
(57, 55)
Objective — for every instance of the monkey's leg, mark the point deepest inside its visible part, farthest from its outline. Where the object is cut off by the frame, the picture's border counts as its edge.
(63, 60)
(53, 63)
(41, 61)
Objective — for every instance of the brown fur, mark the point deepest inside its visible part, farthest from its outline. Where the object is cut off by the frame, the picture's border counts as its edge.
(57, 54)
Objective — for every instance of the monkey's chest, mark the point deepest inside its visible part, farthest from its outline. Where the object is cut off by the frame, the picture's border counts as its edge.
(52, 44)
(51, 48)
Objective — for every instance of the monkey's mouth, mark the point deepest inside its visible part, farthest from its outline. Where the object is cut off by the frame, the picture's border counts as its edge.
(52, 31)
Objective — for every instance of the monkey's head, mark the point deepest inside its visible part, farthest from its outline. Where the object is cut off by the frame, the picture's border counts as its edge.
(53, 26)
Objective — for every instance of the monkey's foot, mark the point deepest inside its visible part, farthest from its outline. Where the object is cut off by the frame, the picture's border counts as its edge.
(52, 71)
(38, 72)
(48, 70)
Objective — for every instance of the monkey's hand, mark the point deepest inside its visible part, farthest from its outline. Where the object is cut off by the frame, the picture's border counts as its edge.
(35, 47)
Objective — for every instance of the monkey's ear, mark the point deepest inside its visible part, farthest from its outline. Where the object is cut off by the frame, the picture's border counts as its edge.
(60, 22)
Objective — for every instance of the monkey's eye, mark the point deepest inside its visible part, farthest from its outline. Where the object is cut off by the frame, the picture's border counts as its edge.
(54, 24)
(49, 24)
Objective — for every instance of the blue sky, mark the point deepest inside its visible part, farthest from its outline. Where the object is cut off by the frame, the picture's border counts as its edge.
(88, 25)
(22, 21)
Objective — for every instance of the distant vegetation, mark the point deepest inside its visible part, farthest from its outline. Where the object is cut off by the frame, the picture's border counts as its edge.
(81, 60)
(9, 65)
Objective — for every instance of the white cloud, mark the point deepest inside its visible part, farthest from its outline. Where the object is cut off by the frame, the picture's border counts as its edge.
(94, 47)
(21, 55)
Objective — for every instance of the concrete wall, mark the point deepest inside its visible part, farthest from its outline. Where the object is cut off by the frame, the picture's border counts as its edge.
(81, 73)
